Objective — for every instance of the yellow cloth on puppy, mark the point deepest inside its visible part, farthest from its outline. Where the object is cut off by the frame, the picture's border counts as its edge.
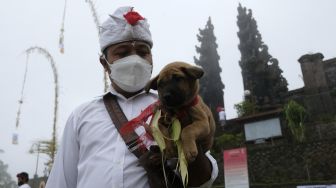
(176, 137)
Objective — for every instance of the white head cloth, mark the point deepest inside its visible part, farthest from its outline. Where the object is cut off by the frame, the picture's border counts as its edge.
(117, 29)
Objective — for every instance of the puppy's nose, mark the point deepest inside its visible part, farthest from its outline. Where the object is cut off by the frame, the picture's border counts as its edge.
(167, 96)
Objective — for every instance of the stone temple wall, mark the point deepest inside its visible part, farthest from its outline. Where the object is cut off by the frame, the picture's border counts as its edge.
(285, 163)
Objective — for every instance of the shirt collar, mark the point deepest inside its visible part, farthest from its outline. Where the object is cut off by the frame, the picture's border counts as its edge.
(120, 96)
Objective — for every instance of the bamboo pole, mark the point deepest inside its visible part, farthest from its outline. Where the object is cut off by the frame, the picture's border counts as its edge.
(46, 54)
(97, 23)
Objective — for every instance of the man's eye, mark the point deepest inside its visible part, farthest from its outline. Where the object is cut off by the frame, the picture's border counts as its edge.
(143, 53)
(121, 54)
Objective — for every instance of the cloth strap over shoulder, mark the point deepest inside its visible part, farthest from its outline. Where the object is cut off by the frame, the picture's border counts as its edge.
(155, 176)
(119, 119)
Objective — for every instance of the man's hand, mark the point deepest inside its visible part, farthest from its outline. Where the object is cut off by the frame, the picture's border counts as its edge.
(199, 171)
(152, 163)
(152, 159)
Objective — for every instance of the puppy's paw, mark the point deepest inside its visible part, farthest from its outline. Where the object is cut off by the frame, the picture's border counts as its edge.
(190, 152)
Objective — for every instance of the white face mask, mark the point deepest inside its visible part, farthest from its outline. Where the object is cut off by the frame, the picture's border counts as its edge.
(131, 73)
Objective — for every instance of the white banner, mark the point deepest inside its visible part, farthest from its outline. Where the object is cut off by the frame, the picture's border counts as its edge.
(235, 168)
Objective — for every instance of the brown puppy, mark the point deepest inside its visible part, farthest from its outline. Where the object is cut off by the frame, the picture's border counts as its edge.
(178, 86)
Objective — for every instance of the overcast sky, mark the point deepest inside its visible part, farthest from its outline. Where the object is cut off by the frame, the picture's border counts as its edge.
(290, 28)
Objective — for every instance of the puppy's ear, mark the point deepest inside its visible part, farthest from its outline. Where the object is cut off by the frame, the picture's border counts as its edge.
(152, 84)
(193, 71)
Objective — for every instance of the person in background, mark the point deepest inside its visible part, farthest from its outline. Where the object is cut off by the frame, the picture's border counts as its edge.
(93, 153)
(222, 116)
(23, 179)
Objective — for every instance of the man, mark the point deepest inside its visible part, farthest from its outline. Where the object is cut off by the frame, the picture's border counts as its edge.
(23, 179)
(93, 153)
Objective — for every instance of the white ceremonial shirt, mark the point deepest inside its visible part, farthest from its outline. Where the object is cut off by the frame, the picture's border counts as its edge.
(94, 155)
(24, 186)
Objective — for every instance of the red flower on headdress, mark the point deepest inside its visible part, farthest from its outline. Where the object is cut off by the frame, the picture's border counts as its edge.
(133, 17)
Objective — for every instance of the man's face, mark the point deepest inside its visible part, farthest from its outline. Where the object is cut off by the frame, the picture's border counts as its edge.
(124, 49)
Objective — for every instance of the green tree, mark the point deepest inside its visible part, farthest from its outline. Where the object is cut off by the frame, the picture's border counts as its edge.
(261, 73)
(295, 115)
(228, 141)
(211, 85)
(5, 179)
(245, 108)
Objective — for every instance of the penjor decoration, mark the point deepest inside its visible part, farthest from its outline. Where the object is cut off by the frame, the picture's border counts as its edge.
(61, 39)
(97, 23)
(51, 144)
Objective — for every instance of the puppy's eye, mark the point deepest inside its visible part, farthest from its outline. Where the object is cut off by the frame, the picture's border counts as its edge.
(176, 78)
(159, 84)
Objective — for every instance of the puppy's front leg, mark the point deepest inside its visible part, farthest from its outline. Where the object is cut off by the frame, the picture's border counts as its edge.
(198, 129)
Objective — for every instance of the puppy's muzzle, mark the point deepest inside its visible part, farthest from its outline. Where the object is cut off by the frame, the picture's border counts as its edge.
(172, 99)
(167, 97)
